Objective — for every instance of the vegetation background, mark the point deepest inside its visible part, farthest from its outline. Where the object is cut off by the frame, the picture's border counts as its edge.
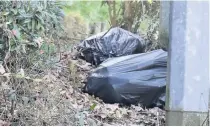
(34, 38)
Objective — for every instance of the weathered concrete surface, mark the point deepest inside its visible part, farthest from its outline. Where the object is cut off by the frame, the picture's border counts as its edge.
(188, 67)
(186, 118)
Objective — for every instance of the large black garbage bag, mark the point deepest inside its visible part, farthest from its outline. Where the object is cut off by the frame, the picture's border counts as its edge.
(132, 79)
(113, 43)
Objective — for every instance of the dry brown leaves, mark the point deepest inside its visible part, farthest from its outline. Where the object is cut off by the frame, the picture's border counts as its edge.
(56, 100)
(4, 123)
(2, 70)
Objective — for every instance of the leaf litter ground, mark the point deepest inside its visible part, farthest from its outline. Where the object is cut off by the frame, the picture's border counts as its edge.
(57, 99)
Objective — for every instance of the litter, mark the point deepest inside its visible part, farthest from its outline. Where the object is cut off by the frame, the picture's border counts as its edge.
(131, 79)
(113, 43)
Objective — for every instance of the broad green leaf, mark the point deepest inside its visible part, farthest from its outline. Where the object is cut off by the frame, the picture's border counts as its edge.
(40, 18)
(92, 107)
(29, 26)
(10, 19)
(38, 26)
(5, 13)
(45, 4)
(8, 23)
(33, 25)
(24, 16)
(15, 11)
(27, 21)
(42, 29)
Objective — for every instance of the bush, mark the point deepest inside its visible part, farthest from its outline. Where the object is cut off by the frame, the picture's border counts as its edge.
(27, 33)
(25, 25)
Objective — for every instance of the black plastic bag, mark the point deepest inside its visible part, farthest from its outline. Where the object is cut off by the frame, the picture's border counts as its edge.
(132, 79)
(113, 43)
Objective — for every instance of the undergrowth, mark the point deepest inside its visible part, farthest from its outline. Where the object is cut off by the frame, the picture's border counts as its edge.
(39, 81)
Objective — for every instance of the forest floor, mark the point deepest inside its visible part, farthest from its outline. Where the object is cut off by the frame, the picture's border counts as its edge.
(57, 99)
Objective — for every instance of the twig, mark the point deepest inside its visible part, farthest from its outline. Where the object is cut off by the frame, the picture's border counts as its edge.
(4, 96)
(158, 124)
(12, 109)
(205, 119)
(7, 56)
(201, 96)
(70, 38)
(106, 32)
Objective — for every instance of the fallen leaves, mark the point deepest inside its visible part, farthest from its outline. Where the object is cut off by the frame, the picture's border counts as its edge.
(4, 123)
(39, 41)
(20, 74)
(2, 70)
(49, 78)
(57, 101)
(92, 111)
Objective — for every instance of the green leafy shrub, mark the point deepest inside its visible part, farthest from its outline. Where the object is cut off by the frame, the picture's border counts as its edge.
(25, 25)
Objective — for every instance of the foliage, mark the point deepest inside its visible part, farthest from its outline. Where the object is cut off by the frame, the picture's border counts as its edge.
(75, 27)
(25, 24)
(36, 90)
(137, 16)
(130, 14)
(92, 11)
(27, 30)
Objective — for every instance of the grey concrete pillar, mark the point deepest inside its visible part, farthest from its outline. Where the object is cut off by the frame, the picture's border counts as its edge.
(187, 92)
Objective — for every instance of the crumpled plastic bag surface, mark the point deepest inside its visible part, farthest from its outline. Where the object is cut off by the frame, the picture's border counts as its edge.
(132, 79)
(113, 43)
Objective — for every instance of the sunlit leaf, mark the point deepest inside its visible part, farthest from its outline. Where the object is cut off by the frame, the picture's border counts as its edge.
(29, 25)
(27, 21)
(5, 13)
(20, 74)
(24, 48)
(38, 26)
(27, 77)
(2, 70)
(37, 80)
(150, 1)
(8, 23)
(92, 107)
(33, 25)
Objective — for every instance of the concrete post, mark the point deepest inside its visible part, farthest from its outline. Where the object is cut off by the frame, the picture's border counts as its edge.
(187, 92)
